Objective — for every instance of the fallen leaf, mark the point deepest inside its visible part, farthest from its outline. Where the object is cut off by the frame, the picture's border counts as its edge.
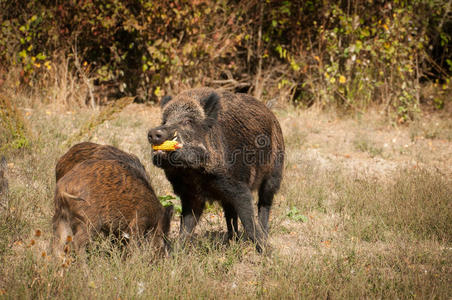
(326, 243)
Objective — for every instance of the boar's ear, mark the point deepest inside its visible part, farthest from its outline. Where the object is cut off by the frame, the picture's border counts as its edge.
(211, 105)
(165, 100)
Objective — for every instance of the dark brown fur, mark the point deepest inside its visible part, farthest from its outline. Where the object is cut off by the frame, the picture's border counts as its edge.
(106, 193)
(232, 145)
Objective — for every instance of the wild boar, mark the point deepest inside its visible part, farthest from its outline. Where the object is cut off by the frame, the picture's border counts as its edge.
(107, 196)
(87, 150)
(232, 144)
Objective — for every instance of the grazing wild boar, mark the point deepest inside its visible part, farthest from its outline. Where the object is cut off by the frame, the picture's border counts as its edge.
(104, 194)
(3, 182)
(232, 144)
(87, 150)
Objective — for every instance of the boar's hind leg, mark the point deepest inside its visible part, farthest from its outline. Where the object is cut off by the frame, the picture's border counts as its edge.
(81, 237)
(267, 191)
(61, 232)
(240, 197)
(231, 220)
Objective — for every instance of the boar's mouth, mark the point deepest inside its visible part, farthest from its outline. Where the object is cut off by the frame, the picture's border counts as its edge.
(176, 138)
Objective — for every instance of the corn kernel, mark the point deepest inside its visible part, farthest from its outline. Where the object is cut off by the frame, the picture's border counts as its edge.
(168, 146)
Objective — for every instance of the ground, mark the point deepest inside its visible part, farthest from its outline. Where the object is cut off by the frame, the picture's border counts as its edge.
(364, 211)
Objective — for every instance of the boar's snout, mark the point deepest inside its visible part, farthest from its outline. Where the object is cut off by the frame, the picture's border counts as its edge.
(157, 136)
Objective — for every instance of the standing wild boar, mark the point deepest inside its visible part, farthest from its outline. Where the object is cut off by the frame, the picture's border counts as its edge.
(232, 144)
(105, 193)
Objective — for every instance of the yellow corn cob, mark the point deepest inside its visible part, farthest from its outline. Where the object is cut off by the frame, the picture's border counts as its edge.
(168, 146)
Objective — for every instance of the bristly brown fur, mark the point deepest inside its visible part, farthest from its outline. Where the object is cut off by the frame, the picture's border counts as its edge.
(103, 189)
(87, 150)
(232, 145)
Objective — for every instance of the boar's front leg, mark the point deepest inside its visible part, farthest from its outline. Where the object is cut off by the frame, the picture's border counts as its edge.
(231, 220)
(192, 207)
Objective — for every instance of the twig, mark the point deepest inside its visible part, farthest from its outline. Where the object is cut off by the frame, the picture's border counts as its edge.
(84, 77)
(258, 85)
(441, 23)
(229, 83)
(435, 65)
(232, 82)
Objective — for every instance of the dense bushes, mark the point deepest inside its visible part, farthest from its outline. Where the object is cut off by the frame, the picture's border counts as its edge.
(346, 53)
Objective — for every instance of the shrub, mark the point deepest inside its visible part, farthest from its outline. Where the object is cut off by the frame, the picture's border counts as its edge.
(347, 54)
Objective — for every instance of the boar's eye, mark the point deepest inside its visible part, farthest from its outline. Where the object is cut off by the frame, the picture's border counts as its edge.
(187, 122)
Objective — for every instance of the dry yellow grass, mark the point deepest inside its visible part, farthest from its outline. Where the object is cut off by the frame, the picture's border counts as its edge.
(348, 222)
(14, 131)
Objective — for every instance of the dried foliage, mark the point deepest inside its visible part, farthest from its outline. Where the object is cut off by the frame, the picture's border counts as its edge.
(14, 131)
(107, 113)
(348, 54)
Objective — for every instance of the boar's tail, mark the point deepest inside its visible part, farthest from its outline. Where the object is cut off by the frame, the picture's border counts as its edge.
(70, 196)
(65, 197)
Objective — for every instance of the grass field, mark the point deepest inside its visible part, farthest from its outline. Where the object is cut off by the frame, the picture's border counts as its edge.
(364, 211)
